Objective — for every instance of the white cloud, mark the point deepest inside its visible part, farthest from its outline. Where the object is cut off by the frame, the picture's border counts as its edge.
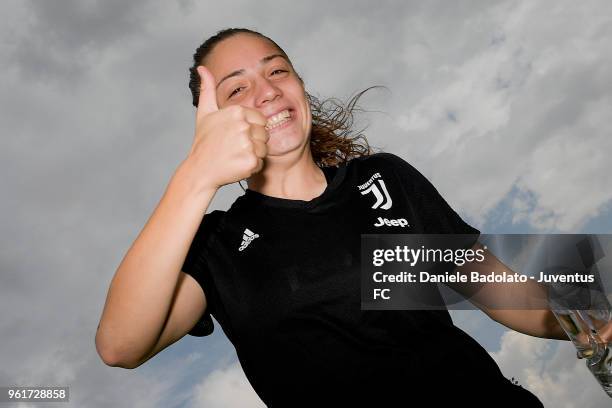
(226, 387)
(96, 115)
(564, 173)
(527, 108)
(550, 370)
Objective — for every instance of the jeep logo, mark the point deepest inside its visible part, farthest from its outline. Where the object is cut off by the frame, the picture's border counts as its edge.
(399, 222)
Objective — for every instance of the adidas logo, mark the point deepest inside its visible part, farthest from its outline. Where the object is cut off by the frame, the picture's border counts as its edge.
(247, 237)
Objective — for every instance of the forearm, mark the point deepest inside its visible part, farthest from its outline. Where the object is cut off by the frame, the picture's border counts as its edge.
(520, 306)
(142, 288)
(538, 323)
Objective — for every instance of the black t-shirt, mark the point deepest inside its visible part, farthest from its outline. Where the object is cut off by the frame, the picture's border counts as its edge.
(282, 277)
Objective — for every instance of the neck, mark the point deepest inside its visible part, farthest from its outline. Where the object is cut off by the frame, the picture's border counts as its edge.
(293, 178)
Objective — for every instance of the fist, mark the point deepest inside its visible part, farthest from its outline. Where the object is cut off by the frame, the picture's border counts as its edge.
(229, 143)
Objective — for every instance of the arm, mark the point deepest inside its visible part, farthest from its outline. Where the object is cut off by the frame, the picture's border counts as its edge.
(148, 305)
(535, 319)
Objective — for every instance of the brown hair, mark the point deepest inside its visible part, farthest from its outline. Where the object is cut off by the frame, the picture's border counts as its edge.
(332, 139)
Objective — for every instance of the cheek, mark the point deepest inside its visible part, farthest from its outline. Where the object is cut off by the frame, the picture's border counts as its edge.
(303, 106)
(307, 118)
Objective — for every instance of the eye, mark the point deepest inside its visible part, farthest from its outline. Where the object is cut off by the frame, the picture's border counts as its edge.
(278, 70)
(235, 91)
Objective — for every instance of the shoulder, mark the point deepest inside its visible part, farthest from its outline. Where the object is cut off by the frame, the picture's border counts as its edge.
(387, 161)
(213, 218)
(380, 157)
(210, 225)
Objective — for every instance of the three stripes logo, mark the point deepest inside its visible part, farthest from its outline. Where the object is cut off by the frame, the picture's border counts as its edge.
(376, 186)
(247, 237)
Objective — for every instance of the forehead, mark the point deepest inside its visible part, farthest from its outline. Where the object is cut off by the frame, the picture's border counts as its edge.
(241, 51)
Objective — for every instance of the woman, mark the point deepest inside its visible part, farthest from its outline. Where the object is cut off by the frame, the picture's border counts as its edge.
(280, 269)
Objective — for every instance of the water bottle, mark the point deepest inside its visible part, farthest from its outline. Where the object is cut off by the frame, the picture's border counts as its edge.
(584, 328)
(583, 308)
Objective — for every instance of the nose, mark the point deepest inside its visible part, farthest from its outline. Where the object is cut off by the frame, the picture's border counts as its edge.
(267, 91)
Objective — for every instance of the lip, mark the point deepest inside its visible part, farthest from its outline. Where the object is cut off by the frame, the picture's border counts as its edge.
(281, 127)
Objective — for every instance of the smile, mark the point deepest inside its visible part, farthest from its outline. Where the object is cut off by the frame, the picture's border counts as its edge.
(278, 120)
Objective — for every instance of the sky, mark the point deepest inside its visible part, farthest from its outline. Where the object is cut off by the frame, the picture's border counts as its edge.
(503, 105)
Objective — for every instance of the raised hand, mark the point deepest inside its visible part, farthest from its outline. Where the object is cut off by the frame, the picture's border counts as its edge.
(229, 143)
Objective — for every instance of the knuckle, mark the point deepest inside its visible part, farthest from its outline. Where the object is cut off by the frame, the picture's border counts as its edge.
(246, 142)
(237, 111)
(251, 161)
(244, 127)
(255, 149)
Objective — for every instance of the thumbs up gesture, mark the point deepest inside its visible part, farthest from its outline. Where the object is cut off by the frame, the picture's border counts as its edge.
(230, 143)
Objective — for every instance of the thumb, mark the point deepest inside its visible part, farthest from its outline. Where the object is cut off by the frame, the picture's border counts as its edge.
(207, 101)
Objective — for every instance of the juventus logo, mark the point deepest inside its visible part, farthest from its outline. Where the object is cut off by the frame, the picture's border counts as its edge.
(376, 186)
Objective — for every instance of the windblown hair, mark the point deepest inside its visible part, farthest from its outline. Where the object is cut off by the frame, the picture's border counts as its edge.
(332, 138)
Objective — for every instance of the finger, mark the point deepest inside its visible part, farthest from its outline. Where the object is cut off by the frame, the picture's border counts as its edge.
(606, 332)
(256, 117)
(260, 166)
(259, 133)
(261, 150)
(207, 102)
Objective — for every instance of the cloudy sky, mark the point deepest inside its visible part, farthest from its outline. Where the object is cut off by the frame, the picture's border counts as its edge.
(504, 105)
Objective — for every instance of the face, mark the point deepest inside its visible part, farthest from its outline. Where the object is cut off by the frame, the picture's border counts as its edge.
(249, 71)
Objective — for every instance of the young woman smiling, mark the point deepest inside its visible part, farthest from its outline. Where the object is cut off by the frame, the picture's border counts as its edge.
(279, 270)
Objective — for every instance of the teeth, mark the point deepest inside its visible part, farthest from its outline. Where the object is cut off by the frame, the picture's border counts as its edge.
(278, 119)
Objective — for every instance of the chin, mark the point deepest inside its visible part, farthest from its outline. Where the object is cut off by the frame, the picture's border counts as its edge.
(280, 143)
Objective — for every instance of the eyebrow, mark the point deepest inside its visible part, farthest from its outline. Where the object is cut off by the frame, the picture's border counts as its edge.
(264, 60)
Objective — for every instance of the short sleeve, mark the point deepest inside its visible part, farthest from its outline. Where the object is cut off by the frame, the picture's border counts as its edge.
(195, 264)
(436, 214)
